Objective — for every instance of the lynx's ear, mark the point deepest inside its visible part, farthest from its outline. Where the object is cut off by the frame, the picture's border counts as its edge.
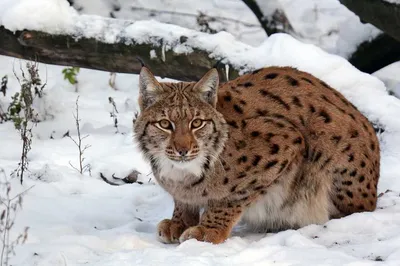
(149, 88)
(208, 87)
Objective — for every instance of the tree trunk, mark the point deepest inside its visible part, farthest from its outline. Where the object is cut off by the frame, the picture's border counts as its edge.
(271, 17)
(117, 57)
(376, 54)
(381, 14)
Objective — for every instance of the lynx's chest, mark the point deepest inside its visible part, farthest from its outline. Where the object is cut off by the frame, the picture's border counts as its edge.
(178, 180)
(190, 185)
(179, 172)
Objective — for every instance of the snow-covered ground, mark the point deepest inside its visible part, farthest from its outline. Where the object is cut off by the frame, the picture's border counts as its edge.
(81, 220)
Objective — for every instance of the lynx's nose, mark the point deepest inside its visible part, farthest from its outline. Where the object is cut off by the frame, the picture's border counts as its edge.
(182, 140)
(183, 147)
(183, 152)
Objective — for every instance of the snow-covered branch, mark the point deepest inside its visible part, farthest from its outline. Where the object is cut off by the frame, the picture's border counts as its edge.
(59, 35)
(158, 53)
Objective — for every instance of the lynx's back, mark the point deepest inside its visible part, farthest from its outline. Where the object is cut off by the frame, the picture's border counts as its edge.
(339, 147)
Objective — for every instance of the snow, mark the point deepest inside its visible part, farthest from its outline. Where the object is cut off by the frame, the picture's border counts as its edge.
(352, 34)
(52, 15)
(390, 76)
(393, 1)
(80, 220)
(241, 22)
(329, 25)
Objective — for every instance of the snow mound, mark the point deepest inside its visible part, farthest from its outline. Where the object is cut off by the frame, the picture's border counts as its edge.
(53, 16)
(390, 76)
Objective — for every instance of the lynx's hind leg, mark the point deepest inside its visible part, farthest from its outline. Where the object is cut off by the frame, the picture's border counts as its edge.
(291, 195)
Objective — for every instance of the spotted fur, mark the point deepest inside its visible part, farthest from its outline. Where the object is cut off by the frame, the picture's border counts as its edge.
(278, 149)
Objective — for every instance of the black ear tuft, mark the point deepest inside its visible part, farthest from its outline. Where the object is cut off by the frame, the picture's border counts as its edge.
(218, 63)
(141, 61)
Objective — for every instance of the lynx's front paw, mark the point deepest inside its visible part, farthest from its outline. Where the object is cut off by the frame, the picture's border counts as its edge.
(169, 231)
(202, 233)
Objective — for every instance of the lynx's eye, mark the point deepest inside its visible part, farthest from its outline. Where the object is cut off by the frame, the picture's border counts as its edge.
(197, 123)
(165, 124)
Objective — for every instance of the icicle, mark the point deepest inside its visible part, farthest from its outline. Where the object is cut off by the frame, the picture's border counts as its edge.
(227, 71)
(163, 52)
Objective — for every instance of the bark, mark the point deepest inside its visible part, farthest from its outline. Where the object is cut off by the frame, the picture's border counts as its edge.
(117, 57)
(381, 14)
(385, 48)
(376, 54)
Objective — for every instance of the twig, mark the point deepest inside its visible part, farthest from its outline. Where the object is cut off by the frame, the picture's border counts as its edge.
(108, 181)
(3, 86)
(82, 168)
(7, 218)
(150, 10)
(111, 81)
(129, 179)
(31, 86)
(113, 113)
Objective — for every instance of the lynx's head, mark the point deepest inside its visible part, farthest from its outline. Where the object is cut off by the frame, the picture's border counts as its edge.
(178, 126)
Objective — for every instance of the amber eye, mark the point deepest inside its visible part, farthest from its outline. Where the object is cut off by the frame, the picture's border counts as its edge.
(197, 123)
(165, 124)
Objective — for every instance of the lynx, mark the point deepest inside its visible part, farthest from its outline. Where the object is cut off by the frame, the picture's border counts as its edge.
(276, 149)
